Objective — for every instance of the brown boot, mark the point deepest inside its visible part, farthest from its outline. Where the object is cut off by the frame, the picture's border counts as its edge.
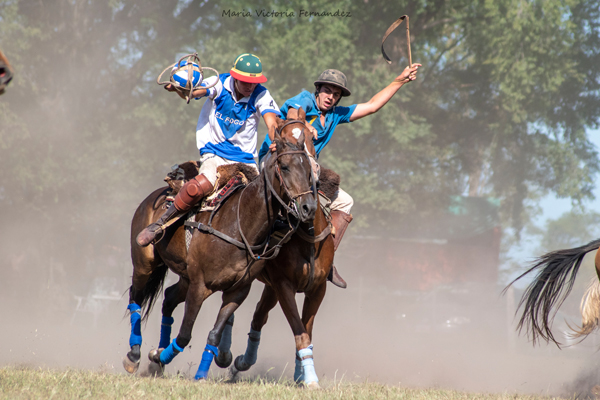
(335, 278)
(340, 221)
(190, 194)
(147, 236)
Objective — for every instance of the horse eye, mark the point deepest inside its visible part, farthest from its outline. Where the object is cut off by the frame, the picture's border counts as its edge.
(285, 168)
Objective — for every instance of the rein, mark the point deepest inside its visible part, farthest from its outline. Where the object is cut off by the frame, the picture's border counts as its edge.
(267, 253)
(312, 175)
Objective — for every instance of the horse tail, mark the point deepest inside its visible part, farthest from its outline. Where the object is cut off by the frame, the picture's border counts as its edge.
(590, 311)
(152, 289)
(553, 283)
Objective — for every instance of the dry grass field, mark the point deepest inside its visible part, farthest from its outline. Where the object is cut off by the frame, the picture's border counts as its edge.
(38, 383)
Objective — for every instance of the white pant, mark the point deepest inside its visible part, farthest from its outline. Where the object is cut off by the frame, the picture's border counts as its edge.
(209, 163)
(342, 202)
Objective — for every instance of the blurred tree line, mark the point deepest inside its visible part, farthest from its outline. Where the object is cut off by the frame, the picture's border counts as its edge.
(500, 109)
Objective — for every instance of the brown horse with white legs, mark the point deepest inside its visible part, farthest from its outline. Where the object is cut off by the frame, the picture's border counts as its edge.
(553, 283)
(224, 247)
(6, 72)
(302, 266)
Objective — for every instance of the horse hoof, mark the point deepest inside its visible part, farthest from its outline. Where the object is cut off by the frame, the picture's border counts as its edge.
(130, 366)
(312, 385)
(240, 365)
(224, 359)
(154, 356)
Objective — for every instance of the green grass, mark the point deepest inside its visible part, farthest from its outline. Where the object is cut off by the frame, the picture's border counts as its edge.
(29, 383)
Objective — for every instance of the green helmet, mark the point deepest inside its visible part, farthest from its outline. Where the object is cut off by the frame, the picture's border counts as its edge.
(248, 68)
(335, 78)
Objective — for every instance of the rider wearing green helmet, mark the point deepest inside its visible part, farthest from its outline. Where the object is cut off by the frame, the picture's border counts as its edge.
(226, 132)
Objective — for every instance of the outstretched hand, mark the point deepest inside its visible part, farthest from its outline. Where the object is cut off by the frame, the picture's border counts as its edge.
(171, 88)
(409, 74)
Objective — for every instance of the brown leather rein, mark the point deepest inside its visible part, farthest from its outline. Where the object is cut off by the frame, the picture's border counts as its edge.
(274, 251)
(278, 169)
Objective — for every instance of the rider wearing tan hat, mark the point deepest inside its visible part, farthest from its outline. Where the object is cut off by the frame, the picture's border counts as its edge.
(324, 114)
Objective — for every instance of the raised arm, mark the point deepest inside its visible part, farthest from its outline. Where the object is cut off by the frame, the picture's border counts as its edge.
(381, 98)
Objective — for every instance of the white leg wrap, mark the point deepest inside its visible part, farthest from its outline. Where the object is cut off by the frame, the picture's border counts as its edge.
(298, 375)
(308, 365)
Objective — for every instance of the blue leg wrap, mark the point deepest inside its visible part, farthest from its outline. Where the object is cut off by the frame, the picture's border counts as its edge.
(207, 357)
(225, 343)
(252, 347)
(308, 365)
(169, 353)
(136, 325)
(165, 332)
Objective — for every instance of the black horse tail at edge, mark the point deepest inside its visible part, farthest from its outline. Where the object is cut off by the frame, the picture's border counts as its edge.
(152, 289)
(556, 272)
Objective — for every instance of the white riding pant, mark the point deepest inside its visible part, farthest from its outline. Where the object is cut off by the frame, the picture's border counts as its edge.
(209, 163)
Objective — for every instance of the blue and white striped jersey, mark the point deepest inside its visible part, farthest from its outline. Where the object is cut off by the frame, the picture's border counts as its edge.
(228, 128)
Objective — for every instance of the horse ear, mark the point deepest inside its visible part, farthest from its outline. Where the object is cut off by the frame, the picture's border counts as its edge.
(292, 113)
(279, 122)
(301, 114)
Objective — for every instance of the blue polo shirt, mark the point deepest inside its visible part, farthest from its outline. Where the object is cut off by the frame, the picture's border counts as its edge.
(337, 115)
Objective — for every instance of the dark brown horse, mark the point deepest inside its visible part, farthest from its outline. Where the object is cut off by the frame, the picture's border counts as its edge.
(223, 263)
(6, 72)
(556, 272)
(302, 266)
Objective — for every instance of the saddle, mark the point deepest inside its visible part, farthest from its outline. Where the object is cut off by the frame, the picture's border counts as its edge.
(230, 178)
(328, 185)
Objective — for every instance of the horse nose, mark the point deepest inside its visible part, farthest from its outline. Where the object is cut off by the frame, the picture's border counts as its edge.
(308, 209)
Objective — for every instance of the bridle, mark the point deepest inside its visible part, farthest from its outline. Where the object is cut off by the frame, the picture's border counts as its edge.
(291, 207)
(293, 199)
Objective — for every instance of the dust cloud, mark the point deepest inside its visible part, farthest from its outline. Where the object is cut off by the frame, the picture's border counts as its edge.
(64, 296)
(458, 336)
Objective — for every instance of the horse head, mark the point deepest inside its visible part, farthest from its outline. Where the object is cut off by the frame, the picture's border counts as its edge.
(292, 165)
